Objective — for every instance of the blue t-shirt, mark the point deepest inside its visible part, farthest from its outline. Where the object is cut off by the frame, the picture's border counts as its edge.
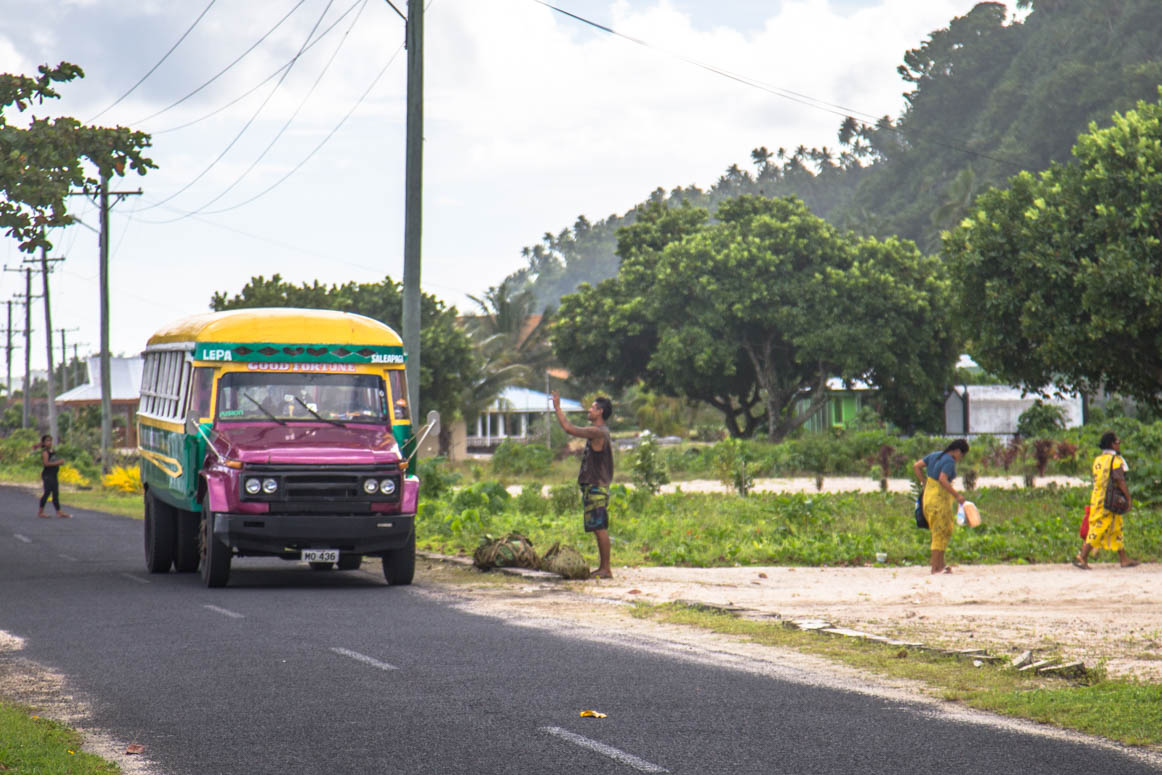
(940, 462)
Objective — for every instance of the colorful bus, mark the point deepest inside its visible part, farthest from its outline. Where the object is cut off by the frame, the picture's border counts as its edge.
(276, 432)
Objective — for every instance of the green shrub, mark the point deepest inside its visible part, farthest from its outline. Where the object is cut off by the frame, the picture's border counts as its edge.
(1040, 419)
(732, 459)
(436, 478)
(488, 497)
(564, 499)
(18, 449)
(515, 459)
(648, 466)
(531, 501)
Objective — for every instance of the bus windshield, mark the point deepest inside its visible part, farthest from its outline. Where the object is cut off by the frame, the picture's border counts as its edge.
(302, 397)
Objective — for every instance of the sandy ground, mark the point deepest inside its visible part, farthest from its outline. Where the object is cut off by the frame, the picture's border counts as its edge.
(1109, 615)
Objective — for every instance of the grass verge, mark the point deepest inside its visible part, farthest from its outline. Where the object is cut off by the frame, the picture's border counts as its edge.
(1126, 711)
(96, 499)
(29, 743)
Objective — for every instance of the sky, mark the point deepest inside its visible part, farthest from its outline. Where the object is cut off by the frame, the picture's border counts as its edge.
(532, 118)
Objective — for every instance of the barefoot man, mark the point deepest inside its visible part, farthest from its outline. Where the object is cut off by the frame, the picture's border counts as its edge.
(596, 473)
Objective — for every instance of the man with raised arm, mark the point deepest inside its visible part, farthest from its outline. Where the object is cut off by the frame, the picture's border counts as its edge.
(596, 474)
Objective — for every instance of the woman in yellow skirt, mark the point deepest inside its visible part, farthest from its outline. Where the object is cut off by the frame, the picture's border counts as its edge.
(937, 470)
(1105, 527)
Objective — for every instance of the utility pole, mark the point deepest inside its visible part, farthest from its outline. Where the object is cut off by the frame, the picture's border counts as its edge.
(8, 352)
(27, 302)
(106, 380)
(413, 199)
(65, 359)
(49, 380)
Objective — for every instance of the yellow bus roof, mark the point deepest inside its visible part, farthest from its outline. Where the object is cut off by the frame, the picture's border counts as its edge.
(278, 324)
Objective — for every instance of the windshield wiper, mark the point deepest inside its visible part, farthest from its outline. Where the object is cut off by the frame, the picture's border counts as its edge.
(304, 405)
(262, 408)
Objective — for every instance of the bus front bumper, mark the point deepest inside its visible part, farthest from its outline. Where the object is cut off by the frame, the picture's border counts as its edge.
(286, 535)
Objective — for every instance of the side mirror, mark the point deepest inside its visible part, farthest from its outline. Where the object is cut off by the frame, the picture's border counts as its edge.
(192, 427)
(433, 421)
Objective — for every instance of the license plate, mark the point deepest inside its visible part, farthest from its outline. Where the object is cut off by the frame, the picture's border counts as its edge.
(321, 555)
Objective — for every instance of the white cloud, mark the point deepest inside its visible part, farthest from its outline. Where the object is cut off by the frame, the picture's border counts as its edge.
(531, 119)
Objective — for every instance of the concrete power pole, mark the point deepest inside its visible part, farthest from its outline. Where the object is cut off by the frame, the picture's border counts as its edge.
(106, 378)
(8, 352)
(49, 379)
(24, 421)
(413, 200)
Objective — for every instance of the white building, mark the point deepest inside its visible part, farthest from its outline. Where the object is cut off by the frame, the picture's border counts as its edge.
(514, 416)
(971, 410)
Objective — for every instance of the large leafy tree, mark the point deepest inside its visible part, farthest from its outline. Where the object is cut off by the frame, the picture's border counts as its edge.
(1059, 276)
(449, 363)
(753, 312)
(41, 163)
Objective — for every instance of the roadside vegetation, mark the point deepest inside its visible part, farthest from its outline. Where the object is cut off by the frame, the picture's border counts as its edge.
(32, 744)
(1127, 711)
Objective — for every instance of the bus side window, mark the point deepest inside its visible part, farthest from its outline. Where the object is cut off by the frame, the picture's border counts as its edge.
(399, 394)
(202, 391)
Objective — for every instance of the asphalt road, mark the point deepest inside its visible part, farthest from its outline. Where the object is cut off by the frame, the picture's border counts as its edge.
(293, 671)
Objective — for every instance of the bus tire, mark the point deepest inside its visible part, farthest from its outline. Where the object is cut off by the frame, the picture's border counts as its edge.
(187, 553)
(399, 565)
(159, 535)
(349, 561)
(215, 555)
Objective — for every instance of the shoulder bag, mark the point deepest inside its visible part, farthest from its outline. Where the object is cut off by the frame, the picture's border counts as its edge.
(1116, 501)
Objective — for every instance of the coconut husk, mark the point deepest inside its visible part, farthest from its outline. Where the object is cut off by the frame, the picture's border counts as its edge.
(565, 561)
(511, 551)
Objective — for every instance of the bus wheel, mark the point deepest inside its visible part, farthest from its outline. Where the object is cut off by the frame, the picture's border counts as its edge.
(159, 535)
(399, 565)
(187, 551)
(349, 561)
(215, 554)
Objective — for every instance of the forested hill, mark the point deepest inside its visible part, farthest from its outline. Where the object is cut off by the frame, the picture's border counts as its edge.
(987, 98)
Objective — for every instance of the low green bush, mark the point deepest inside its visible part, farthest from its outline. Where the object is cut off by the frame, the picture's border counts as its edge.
(1037, 525)
(516, 459)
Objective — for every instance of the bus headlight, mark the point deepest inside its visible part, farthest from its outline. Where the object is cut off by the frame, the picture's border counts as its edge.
(387, 486)
(253, 486)
(370, 486)
(269, 486)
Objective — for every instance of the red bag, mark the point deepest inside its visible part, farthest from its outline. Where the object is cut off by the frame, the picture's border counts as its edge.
(1085, 525)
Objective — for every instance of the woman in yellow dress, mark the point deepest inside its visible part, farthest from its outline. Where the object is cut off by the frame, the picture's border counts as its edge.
(937, 471)
(1105, 527)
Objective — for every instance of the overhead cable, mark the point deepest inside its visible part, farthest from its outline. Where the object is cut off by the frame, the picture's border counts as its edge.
(251, 120)
(159, 63)
(301, 163)
(787, 94)
(265, 80)
(225, 69)
(294, 115)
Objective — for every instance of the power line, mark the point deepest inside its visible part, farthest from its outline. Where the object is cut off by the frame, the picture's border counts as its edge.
(787, 94)
(159, 62)
(265, 80)
(294, 115)
(307, 158)
(247, 125)
(225, 69)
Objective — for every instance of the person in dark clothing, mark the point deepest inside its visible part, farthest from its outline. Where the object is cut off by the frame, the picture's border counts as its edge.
(596, 474)
(49, 475)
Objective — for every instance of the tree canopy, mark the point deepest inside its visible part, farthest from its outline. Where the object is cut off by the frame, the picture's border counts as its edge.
(754, 311)
(1059, 276)
(41, 164)
(449, 360)
(985, 97)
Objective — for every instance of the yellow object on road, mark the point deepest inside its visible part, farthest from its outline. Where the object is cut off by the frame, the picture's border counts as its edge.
(592, 714)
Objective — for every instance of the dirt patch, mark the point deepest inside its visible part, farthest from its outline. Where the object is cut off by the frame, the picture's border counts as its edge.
(1109, 615)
